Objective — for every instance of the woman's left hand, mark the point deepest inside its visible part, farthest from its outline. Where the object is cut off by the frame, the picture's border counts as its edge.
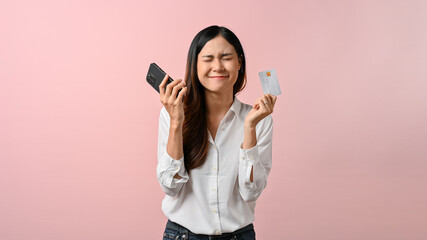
(263, 107)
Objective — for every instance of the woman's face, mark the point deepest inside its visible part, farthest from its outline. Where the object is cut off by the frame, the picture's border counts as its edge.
(218, 66)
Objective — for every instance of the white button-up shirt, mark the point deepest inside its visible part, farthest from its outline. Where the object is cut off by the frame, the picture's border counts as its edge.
(217, 197)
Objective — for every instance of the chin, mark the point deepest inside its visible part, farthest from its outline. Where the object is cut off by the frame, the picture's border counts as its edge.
(218, 89)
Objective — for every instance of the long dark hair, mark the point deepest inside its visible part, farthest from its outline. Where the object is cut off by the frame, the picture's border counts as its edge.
(195, 130)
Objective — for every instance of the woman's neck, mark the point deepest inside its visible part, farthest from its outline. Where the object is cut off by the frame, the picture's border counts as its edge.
(218, 104)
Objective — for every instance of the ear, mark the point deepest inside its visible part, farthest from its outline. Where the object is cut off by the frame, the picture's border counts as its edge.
(240, 62)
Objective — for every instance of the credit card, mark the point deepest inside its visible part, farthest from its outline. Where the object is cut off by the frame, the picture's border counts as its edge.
(269, 82)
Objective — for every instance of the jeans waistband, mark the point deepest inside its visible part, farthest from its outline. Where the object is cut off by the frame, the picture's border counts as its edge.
(182, 230)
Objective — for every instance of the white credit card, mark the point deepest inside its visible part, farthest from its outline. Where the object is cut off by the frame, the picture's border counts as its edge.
(269, 82)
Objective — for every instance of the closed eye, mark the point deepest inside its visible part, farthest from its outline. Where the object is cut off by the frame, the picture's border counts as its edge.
(227, 56)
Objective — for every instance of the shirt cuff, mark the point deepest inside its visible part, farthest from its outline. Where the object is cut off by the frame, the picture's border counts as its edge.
(177, 167)
(248, 159)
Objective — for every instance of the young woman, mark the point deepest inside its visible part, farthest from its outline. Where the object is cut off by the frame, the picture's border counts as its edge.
(214, 152)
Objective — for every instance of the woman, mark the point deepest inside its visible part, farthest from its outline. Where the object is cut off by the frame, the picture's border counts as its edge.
(214, 152)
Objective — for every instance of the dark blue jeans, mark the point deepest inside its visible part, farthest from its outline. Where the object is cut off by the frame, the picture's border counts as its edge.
(175, 231)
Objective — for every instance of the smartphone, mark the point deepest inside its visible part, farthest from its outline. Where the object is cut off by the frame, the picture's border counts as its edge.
(155, 76)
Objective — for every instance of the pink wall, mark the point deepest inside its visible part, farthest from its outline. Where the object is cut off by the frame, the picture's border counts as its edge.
(79, 123)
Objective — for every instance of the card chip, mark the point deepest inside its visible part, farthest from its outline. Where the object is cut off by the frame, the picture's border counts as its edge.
(268, 74)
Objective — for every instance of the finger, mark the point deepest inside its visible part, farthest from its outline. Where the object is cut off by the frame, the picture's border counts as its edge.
(264, 98)
(267, 99)
(170, 86)
(262, 104)
(267, 102)
(176, 88)
(181, 94)
(274, 99)
(270, 103)
(163, 84)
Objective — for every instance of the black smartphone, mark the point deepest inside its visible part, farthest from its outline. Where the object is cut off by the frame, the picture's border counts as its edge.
(155, 76)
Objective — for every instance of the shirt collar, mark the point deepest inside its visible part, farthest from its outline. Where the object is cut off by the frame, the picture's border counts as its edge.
(236, 106)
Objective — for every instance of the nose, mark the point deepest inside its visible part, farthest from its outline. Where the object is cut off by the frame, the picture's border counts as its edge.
(217, 65)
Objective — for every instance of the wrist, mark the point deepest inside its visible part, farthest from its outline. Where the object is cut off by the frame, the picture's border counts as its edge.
(249, 137)
(176, 125)
(249, 126)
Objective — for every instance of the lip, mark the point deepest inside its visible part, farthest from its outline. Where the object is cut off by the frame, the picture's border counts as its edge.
(218, 77)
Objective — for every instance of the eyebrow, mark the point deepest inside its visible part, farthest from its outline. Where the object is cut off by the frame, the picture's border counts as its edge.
(222, 55)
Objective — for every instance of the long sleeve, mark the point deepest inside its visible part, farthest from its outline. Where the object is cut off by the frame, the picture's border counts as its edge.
(219, 197)
(167, 167)
(260, 158)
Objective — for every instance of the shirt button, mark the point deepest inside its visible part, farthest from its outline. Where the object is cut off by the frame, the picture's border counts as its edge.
(222, 128)
(176, 168)
(213, 189)
(214, 211)
(214, 168)
(217, 232)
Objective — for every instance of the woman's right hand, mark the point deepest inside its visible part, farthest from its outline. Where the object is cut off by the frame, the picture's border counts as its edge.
(172, 100)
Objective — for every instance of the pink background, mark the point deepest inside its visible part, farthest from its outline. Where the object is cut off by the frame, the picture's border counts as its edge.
(79, 123)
